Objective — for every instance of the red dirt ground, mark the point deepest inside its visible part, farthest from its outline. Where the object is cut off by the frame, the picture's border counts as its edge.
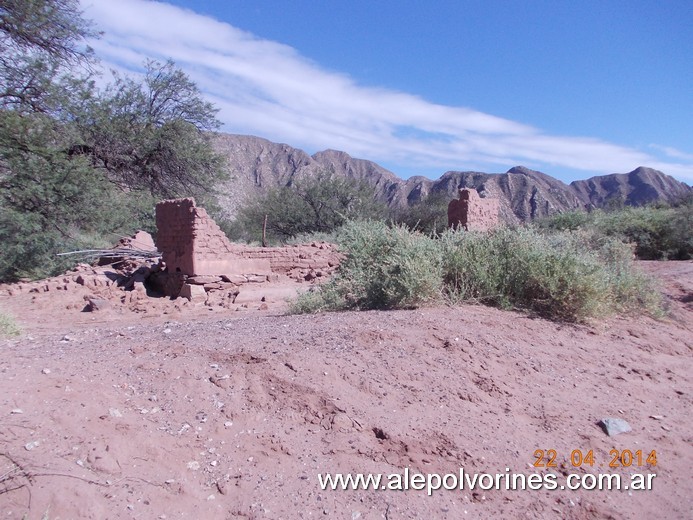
(233, 414)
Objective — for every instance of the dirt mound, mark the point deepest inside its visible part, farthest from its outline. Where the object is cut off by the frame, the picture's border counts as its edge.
(234, 414)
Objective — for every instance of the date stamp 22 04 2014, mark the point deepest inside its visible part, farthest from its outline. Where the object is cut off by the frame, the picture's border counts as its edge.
(616, 459)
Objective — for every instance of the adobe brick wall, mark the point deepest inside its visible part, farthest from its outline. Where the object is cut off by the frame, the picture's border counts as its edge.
(297, 261)
(191, 243)
(473, 213)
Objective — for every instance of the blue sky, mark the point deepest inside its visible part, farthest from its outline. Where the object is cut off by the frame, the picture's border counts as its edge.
(573, 89)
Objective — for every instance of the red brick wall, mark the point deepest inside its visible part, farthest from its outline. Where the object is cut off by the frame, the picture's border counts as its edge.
(193, 244)
(473, 213)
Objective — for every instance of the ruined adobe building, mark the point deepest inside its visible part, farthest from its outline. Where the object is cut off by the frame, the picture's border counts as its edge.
(472, 213)
(193, 244)
(199, 259)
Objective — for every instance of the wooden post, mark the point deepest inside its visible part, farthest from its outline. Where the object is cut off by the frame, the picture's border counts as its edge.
(264, 232)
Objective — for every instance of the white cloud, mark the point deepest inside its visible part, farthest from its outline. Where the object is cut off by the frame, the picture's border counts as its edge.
(266, 88)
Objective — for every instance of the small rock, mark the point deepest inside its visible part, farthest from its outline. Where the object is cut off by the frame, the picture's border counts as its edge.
(657, 417)
(193, 465)
(614, 426)
(96, 304)
(203, 279)
(31, 445)
(234, 278)
(46, 371)
(194, 293)
(17, 411)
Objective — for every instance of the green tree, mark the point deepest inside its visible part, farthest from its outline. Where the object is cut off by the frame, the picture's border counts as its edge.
(429, 216)
(76, 163)
(51, 201)
(40, 42)
(154, 134)
(317, 203)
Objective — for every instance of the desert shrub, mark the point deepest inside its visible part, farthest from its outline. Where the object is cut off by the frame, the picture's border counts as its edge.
(523, 268)
(385, 268)
(316, 236)
(567, 276)
(568, 221)
(8, 327)
(657, 231)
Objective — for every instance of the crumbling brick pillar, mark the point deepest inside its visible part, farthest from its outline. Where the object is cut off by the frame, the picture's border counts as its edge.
(472, 213)
(191, 243)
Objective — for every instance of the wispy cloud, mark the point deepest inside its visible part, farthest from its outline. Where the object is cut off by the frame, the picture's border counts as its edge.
(268, 89)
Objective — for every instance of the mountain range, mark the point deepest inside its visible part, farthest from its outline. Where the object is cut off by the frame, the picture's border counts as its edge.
(256, 164)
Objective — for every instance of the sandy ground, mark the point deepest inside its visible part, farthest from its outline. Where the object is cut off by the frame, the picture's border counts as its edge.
(233, 414)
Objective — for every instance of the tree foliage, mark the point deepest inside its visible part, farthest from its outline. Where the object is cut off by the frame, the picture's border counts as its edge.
(429, 216)
(78, 163)
(40, 42)
(318, 203)
(153, 134)
(53, 27)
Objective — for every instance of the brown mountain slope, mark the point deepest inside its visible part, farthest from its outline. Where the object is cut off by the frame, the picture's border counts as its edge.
(256, 164)
(636, 188)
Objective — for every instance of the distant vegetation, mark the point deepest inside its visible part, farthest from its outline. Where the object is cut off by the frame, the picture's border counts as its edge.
(565, 275)
(658, 232)
(320, 203)
(429, 216)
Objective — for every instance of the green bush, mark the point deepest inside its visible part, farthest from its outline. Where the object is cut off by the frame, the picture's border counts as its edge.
(657, 231)
(8, 327)
(568, 221)
(567, 276)
(385, 268)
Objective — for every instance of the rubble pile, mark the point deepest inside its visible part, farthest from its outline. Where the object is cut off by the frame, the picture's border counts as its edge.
(190, 263)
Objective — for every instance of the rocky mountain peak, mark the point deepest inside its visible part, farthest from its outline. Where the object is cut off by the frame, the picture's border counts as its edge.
(524, 194)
